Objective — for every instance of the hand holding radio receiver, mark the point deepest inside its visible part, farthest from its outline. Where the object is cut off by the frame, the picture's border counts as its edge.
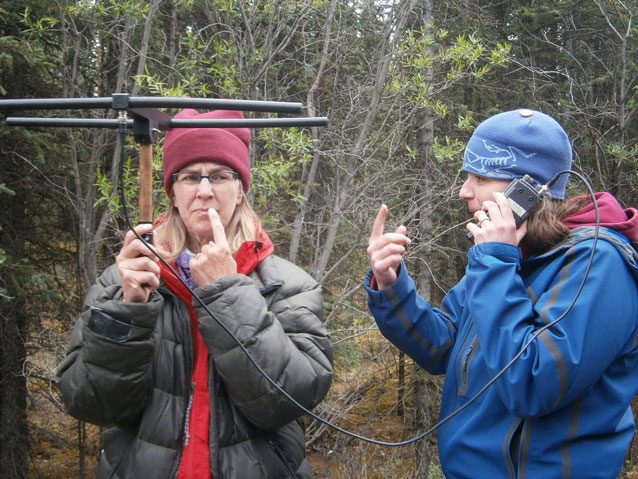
(524, 196)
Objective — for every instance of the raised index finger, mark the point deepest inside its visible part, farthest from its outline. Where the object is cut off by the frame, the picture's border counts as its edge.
(219, 233)
(379, 222)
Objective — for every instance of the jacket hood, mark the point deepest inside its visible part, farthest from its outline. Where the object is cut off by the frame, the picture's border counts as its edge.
(612, 216)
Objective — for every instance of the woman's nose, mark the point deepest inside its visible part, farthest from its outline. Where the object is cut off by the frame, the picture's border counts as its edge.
(466, 193)
(205, 187)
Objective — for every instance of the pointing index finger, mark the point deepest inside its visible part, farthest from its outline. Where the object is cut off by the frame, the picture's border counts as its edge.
(379, 222)
(219, 233)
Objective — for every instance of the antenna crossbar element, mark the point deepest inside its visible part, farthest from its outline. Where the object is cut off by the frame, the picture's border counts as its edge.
(122, 100)
(171, 124)
(147, 120)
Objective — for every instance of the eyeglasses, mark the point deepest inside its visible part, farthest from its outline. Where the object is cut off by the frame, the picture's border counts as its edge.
(219, 178)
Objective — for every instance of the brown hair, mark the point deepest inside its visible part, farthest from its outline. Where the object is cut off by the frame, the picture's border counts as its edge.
(171, 236)
(545, 227)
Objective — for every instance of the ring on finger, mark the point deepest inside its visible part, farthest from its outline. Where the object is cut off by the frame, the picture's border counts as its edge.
(480, 215)
(198, 255)
(483, 219)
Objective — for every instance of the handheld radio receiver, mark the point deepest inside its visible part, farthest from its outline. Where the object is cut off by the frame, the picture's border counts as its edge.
(524, 196)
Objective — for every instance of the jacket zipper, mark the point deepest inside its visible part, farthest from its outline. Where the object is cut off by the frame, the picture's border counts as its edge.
(465, 366)
(281, 457)
(188, 367)
(212, 428)
(187, 435)
(515, 435)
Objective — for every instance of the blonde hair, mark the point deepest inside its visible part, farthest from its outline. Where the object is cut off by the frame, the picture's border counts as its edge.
(545, 227)
(171, 235)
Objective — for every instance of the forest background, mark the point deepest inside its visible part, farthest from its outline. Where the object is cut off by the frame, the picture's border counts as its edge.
(403, 83)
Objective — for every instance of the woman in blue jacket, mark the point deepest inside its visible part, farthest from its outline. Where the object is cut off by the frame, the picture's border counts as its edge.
(563, 407)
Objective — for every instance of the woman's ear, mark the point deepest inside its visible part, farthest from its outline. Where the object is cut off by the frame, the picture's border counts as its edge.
(240, 195)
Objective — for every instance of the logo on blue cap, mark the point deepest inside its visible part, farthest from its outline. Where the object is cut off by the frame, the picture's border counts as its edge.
(495, 165)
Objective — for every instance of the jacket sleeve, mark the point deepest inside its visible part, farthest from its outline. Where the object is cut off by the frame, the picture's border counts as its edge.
(105, 377)
(284, 334)
(565, 360)
(424, 333)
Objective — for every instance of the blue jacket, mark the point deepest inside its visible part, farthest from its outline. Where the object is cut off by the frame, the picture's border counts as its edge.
(563, 408)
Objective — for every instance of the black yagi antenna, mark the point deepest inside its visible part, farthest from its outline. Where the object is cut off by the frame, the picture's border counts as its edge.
(146, 122)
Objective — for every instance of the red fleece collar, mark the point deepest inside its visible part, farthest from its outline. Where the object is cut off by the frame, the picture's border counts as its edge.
(251, 253)
(612, 216)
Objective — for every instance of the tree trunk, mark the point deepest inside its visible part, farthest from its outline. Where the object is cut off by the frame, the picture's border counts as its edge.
(13, 387)
(401, 386)
(312, 101)
(423, 276)
(13, 326)
(392, 37)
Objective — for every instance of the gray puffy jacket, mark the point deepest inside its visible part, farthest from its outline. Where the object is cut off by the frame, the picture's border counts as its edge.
(128, 368)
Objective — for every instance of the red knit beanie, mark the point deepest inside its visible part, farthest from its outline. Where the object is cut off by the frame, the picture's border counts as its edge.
(228, 146)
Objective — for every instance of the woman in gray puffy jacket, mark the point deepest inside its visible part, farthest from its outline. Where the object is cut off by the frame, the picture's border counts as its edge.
(177, 396)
